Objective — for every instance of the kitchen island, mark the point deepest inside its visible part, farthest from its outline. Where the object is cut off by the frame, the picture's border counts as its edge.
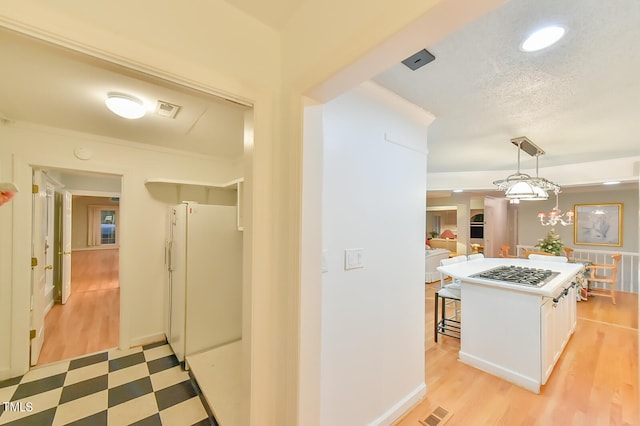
(512, 330)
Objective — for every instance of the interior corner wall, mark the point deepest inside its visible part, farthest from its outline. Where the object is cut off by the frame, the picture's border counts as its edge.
(373, 324)
(530, 230)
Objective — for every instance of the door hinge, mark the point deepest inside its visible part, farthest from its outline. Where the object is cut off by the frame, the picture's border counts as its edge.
(35, 189)
(32, 334)
(34, 262)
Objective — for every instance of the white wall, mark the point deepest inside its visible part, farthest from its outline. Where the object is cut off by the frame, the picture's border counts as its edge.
(142, 220)
(374, 192)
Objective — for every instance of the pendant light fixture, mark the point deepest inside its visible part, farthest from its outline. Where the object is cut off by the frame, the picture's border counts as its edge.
(521, 186)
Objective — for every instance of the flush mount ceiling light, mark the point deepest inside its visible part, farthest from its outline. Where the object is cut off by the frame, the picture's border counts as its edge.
(520, 185)
(542, 38)
(125, 106)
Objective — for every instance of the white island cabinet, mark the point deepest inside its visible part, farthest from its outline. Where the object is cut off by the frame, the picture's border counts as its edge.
(515, 331)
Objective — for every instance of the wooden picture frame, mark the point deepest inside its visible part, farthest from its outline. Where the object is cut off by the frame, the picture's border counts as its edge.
(598, 224)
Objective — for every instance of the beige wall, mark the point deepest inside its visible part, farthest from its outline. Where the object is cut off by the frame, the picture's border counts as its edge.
(79, 218)
(530, 229)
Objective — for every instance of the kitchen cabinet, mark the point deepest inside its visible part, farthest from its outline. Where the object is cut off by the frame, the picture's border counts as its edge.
(558, 322)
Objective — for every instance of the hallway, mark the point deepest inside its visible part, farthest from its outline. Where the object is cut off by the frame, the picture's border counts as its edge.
(90, 320)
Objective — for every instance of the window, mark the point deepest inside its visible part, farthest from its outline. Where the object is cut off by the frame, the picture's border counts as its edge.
(102, 225)
(107, 227)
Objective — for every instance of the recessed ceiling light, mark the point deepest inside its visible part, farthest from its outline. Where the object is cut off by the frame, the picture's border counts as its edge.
(125, 106)
(458, 190)
(542, 38)
(613, 182)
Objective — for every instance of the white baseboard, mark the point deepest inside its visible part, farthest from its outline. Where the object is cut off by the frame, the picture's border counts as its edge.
(401, 407)
(509, 375)
(48, 307)
(145, 340)
(92, 248)
(8, 373)
(48, 295)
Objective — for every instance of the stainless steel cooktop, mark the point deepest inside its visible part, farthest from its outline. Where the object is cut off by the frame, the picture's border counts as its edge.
(533, 277)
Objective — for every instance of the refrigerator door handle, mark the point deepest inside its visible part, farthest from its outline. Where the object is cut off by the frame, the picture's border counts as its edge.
(168, 255)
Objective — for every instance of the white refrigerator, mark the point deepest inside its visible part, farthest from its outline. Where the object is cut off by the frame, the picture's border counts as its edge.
(204, 278)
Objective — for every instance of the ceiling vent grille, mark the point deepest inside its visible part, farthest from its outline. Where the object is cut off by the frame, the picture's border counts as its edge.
(419, 59)
(166, 109)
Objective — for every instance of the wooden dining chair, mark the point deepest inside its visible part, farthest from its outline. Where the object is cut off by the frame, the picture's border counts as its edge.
(569, 253)
(527, 253)
(547, 258)
(598, 274)
(504, 252)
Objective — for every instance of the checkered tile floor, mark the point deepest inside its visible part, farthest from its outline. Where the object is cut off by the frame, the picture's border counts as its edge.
(142, 386)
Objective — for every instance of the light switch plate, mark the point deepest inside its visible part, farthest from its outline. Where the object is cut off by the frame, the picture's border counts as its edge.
(325, 267)
(353, 258)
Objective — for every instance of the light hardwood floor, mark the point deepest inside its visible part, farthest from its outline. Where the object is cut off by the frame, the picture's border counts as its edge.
(595, 382)
(89, 321)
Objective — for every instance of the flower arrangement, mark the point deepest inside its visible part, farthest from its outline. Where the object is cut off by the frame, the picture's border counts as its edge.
(551, 243)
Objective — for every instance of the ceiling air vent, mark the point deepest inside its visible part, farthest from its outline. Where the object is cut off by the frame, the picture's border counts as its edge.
(419, 59)
(166, 109)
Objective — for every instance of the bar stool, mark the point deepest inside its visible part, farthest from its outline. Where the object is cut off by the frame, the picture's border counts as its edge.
(448, 294)
(448, 326)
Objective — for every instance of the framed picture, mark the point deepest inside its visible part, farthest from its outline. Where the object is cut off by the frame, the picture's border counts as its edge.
(598, 224)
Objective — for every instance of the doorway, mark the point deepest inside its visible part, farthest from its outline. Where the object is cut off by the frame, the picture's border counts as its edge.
(82, 314)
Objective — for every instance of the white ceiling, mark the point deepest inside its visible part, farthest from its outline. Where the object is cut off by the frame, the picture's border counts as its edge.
(579, 100)
(52, 86)
(274, 13)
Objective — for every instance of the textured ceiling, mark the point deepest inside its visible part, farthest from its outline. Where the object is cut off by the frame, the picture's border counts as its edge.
(578, 100)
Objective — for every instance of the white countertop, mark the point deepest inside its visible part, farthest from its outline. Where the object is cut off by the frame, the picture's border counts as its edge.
(463, 270)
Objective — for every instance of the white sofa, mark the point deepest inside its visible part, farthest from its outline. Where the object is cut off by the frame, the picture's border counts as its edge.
(432, 260)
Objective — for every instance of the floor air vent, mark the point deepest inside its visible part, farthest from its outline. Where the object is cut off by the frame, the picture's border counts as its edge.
(435, 418)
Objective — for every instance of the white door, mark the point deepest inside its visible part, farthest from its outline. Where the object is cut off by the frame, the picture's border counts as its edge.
(66, 246)
(214, 278)
(49, 245)
(38, 276)
(495, 225)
